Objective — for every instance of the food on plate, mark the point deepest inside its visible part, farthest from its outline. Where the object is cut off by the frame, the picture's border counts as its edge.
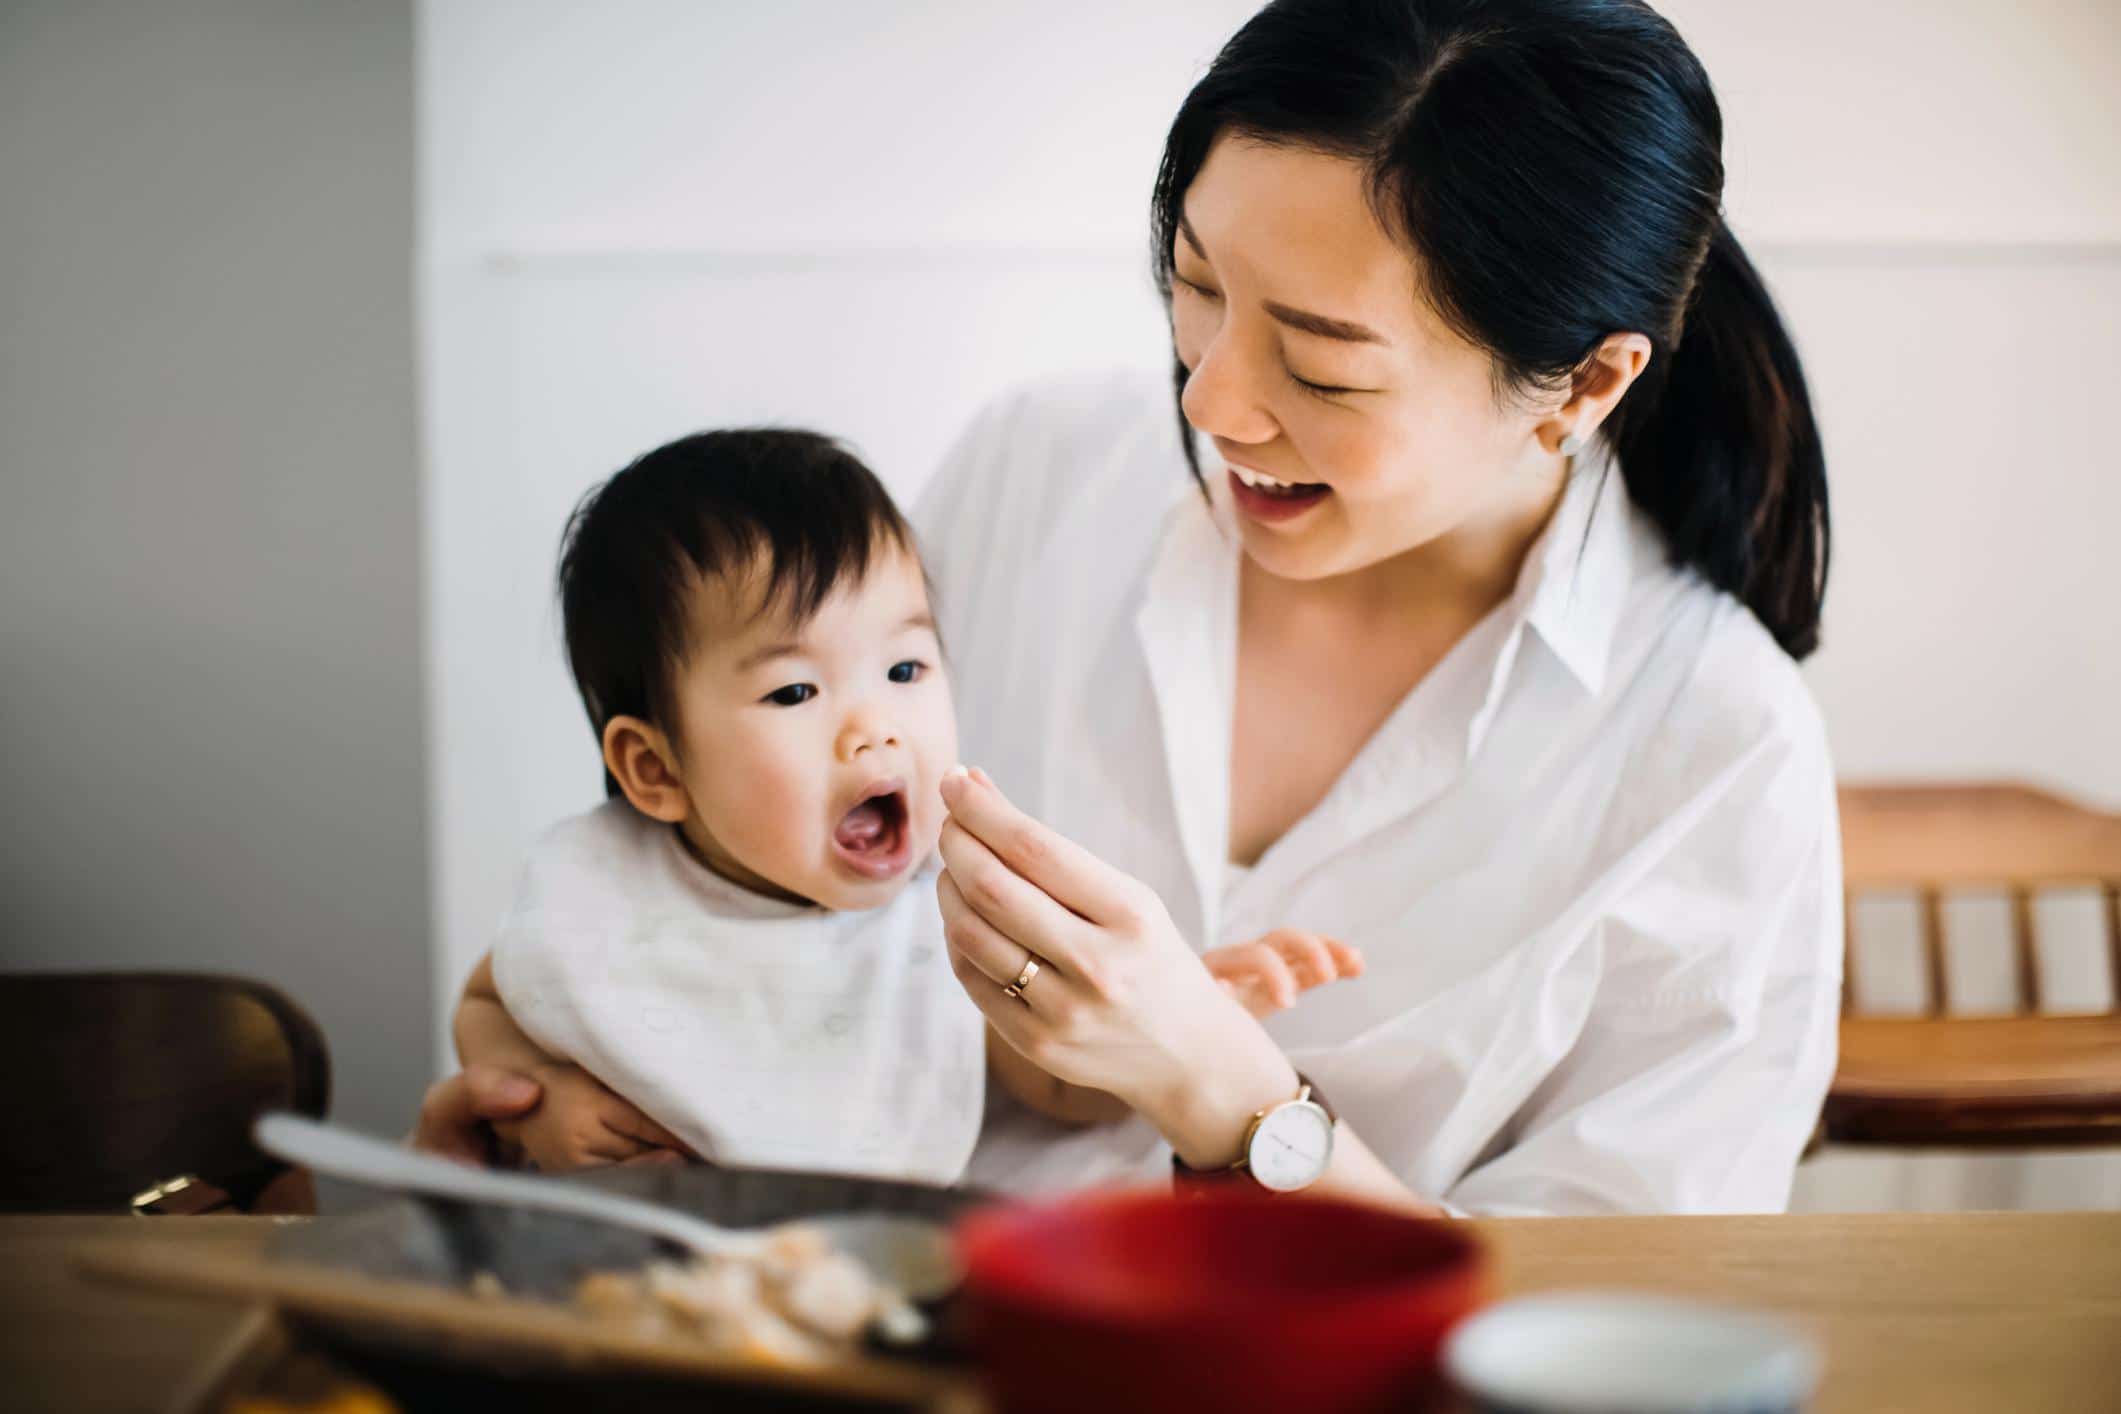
(795, 1301)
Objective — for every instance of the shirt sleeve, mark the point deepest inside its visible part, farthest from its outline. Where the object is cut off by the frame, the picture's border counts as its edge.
(964, 521)
(1697, 1078)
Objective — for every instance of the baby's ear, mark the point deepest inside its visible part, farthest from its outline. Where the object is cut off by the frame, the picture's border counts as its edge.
(639, 758)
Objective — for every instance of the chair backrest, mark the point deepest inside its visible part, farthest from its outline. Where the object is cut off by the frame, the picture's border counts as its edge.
(116, 1081)
(2009, 838)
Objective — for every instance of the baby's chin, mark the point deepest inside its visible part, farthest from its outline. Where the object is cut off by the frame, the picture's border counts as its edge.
(842, 894)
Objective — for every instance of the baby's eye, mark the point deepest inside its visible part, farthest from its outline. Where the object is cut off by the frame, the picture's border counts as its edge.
(793, 695)
(908, 671)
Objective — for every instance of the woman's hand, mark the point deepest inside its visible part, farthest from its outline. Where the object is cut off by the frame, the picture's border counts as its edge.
(1121, 1003)
(458, 1115)
(558, 1116)
(1267, 974)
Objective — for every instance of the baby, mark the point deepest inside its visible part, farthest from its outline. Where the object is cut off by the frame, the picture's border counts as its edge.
(743, 940)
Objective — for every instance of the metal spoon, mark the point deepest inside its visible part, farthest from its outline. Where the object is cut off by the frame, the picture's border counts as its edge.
(909, 1254)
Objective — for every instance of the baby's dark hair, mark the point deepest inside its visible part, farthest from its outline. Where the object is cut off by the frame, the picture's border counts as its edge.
(709, 505)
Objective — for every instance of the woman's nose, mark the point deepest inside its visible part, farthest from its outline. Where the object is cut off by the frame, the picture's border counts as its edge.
(1222, 396)
(866, 729)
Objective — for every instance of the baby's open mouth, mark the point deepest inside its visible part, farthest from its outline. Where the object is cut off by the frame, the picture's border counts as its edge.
(871, 838)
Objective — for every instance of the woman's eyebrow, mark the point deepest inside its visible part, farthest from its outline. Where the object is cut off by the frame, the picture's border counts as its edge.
(1306, 322)
(1185, 228)
(1301, 320)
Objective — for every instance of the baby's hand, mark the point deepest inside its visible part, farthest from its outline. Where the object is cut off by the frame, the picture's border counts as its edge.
(579, 1124)
(1267, 974)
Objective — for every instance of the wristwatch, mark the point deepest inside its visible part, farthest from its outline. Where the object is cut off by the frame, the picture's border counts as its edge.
(1286, 1148)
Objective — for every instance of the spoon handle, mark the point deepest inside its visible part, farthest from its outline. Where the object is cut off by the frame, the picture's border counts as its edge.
(347, 1154)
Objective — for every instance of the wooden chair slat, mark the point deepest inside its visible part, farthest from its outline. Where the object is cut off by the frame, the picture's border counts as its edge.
(2027, 953)
(2113, 941)
(1850, 1002)
(1933, 959)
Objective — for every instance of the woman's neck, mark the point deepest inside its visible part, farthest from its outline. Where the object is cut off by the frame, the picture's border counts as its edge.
(1461, 575)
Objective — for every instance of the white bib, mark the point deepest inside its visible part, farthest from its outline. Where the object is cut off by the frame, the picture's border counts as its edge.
(764, 1034)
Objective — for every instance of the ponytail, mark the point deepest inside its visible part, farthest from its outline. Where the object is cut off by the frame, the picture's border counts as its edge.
(1723, 453)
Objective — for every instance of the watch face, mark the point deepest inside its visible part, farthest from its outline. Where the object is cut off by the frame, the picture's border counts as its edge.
(1291, 1147)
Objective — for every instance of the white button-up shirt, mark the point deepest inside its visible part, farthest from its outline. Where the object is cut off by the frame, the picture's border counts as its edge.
(1591, 860)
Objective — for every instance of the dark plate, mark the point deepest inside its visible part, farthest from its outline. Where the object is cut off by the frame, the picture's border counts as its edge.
(543, 1256)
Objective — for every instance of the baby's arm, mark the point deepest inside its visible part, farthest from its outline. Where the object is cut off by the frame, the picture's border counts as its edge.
(1266, 975)
(484, 1031)
(1048, 1094)
(578, 1123)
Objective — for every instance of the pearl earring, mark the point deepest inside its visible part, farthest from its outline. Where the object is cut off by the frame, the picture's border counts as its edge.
(1571, 444)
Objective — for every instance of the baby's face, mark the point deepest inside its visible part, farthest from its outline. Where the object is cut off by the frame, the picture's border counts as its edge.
(812, 754)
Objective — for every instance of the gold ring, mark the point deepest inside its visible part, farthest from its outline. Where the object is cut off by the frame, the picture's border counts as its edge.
(1015, 990)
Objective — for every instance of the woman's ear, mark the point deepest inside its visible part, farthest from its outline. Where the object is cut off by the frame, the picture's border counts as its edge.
(1610, 371)
(639, 758)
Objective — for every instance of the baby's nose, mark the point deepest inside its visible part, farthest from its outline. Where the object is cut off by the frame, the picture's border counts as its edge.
(866, 730)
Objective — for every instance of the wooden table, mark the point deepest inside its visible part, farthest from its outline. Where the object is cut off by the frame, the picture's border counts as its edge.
(1918, 1312)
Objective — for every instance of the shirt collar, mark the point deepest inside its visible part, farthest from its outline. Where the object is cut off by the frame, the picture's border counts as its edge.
(1570, 593)
(1574, 584)
(1571, 590)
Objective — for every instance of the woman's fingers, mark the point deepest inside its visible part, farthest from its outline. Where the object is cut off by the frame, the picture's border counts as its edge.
(1013, 1021)
(996, 961)
(1070, 874)
(456, 1113)
(973, 938)
(1018, 908)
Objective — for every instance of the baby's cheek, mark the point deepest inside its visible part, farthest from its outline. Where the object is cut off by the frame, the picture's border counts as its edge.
(769, 812)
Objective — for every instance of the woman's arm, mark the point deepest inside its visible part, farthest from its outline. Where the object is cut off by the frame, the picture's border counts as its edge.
(1206, 1122)
(1121, 1004)
(1047, 1093)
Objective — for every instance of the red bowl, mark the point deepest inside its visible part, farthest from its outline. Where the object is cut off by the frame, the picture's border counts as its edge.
(1143, 1300)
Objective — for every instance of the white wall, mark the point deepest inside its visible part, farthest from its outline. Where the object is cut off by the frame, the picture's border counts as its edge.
(644, 217)
(210, 711)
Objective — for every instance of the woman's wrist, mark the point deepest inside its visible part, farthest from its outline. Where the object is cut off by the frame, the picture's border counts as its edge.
(1205, 1111)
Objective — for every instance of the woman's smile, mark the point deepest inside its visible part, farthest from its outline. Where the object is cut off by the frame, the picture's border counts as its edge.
(1273, 502)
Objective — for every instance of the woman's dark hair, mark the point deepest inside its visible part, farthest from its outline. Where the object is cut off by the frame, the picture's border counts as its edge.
(1556, 167)
(705, 507)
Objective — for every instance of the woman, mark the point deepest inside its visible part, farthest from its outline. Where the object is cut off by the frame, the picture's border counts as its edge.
(1472, 644)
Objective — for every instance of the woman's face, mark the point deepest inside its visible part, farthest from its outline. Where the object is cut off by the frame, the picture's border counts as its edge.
(1313, 360)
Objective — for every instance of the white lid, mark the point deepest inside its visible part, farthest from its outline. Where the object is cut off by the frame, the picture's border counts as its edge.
(1583, 1351)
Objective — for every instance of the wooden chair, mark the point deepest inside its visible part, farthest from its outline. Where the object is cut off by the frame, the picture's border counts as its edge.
(117, 1082)
(1940, 1079)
